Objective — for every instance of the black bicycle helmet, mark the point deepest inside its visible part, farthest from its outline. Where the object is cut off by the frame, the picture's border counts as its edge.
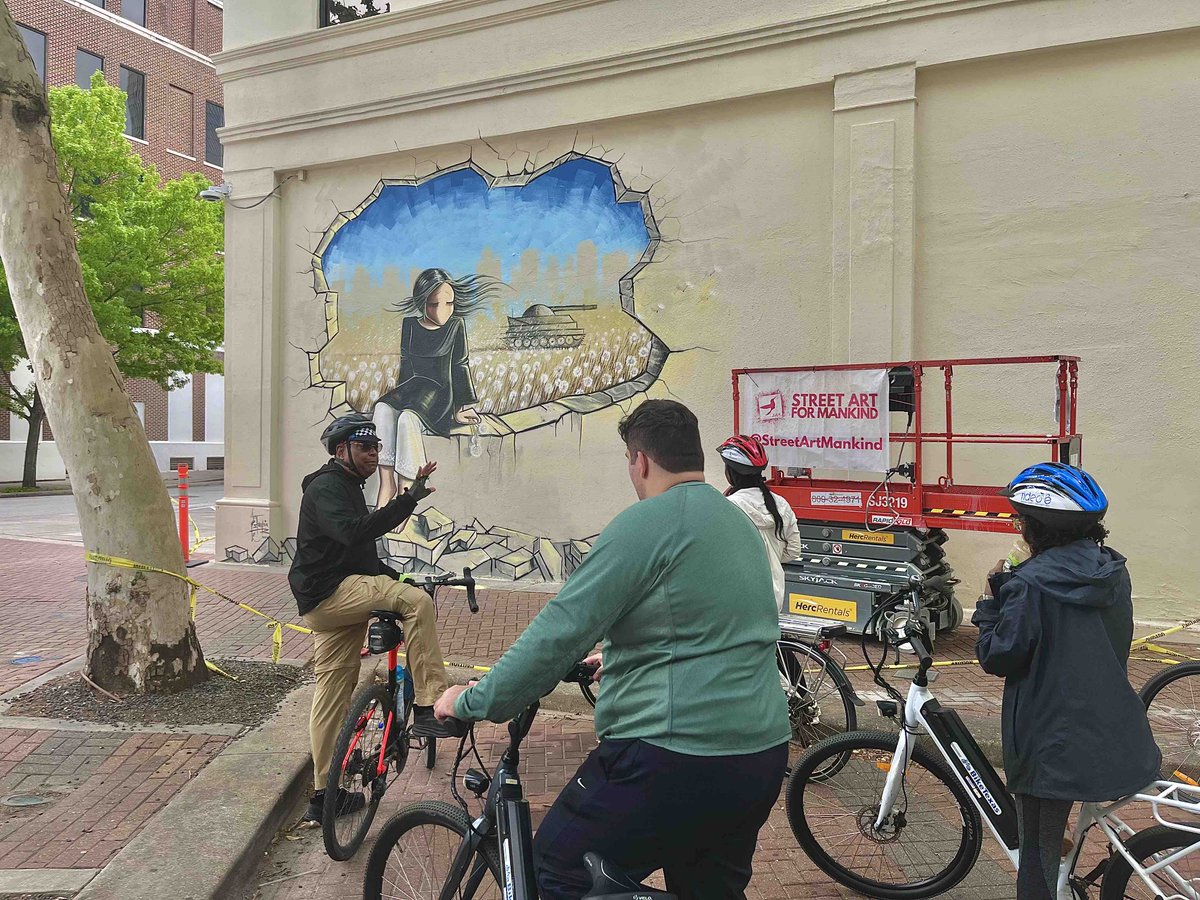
(354, 426)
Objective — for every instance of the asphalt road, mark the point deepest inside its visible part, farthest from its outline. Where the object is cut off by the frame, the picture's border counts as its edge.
(55, 518)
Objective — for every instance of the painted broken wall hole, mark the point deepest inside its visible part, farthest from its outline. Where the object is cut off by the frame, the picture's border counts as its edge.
(563, 245)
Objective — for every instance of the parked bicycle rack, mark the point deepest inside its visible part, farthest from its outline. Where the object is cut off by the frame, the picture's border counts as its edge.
(882, 532)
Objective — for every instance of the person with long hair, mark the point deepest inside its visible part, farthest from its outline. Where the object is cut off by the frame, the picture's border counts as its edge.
(745, 462)
(1057, 628)
(435, 391)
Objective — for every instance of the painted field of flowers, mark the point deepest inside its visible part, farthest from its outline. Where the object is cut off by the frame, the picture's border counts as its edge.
(615, 349)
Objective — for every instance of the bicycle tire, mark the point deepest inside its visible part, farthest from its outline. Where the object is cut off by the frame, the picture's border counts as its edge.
(430, 752)
(435, 814)
(354, 755)
(819, 698)
(805, 795)
(1172, 698)
(1119, 877)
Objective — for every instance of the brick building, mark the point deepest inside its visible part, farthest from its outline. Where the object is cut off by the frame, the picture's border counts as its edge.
(159, 53)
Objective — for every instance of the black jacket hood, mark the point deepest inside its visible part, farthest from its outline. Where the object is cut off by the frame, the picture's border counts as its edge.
(1082, 574)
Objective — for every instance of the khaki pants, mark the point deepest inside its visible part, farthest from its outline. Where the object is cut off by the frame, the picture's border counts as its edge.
(339, 626)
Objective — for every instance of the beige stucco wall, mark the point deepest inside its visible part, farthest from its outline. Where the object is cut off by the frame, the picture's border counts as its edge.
(1024, 175)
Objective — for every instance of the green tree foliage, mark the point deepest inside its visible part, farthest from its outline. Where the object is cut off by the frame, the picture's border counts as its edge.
(150, 250)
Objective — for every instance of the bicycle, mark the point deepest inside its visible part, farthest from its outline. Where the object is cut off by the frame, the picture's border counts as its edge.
(490, 856)
(821, 701)
(377, 733)
(918, 833)
(1172, 699)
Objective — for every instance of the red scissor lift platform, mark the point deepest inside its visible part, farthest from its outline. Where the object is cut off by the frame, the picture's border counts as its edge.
(916, 512)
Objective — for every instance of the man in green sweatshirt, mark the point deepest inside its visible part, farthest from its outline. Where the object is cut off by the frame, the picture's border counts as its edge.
(693, 726)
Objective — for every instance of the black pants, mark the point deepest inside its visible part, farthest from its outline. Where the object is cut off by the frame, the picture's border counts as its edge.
(1042, 825)
(645, 808)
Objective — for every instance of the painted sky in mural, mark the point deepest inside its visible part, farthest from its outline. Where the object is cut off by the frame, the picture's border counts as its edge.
(555, 249)
(454, 220)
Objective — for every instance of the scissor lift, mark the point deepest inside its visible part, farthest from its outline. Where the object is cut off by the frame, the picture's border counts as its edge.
(891, 527)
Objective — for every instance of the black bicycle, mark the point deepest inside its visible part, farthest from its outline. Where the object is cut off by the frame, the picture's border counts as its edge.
(432, 849)
(373, 746)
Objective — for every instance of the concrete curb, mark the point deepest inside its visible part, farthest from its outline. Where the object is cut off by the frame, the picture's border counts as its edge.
(209, 839)
(208, 842)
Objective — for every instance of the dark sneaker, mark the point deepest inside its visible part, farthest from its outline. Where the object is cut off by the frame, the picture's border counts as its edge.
(425, 724)
(349, 802)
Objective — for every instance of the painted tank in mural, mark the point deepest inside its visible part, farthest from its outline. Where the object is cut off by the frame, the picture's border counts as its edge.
(544, 327)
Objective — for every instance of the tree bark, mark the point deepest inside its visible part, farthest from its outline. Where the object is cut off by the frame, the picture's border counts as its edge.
(33, 440)
(140, 634)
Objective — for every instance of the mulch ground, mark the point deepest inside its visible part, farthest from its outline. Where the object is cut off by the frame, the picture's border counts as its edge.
(255, 695)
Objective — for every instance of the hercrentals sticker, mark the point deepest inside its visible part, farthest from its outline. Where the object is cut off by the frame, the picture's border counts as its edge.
(868, 537)
(823, 607)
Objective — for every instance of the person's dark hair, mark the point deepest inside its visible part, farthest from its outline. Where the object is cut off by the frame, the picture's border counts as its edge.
(740, 481)
(667, 432)
(470, 291)
(1041, 537)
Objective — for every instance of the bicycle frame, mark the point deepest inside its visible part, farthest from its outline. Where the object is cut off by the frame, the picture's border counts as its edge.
(997, 808)
(504, 819)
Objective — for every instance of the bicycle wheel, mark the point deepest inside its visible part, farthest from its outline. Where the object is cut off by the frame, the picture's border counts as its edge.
(1180, 879)
(818, 698)
(928, 845)
(354, 770)
(414, 855)
(1172, 699)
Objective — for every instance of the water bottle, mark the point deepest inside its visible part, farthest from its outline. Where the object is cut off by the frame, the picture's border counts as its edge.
(1017, 555)
(401, 692)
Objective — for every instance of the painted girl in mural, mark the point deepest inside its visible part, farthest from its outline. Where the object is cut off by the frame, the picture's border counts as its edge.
(435, 392)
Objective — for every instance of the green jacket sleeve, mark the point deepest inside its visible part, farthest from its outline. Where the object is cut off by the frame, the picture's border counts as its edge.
(620, 569)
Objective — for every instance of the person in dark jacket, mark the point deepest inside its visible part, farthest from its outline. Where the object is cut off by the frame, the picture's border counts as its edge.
(338, 578)
(1058, 627)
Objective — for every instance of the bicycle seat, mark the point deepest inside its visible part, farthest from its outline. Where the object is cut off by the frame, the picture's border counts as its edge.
(610, 883)
(386, 614)
(831, 631)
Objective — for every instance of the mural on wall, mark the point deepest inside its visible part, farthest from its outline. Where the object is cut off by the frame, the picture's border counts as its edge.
(473, 307)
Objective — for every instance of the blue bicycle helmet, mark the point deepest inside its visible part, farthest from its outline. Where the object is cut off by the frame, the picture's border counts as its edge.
(1058, 495)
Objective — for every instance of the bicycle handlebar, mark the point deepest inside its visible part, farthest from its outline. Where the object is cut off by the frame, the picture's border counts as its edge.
(448, 580)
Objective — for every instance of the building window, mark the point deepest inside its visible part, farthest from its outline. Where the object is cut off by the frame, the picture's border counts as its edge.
(335, 12)
(35, 43)
(134, 11)
(181, 122)
(133, 83)
(214, 118)
(99, 3)
(86, 65)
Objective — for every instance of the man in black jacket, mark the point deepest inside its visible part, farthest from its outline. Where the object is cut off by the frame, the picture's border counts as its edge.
(338, 578)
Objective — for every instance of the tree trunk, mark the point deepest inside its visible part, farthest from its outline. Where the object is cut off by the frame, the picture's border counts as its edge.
(33, 440)
(140, 635)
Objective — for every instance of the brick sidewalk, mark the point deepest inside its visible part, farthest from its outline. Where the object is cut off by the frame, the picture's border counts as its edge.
(110, 784)
(298, 869)
(103, 787)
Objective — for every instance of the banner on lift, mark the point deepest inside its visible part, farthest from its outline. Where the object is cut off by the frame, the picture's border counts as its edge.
(821, 420)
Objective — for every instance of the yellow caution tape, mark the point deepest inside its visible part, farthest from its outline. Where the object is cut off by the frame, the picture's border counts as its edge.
(942, 664)
(213, 667)
(1145, 641)
(274, 624)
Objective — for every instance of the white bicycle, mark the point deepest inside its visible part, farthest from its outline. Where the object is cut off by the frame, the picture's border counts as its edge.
(893, 818)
